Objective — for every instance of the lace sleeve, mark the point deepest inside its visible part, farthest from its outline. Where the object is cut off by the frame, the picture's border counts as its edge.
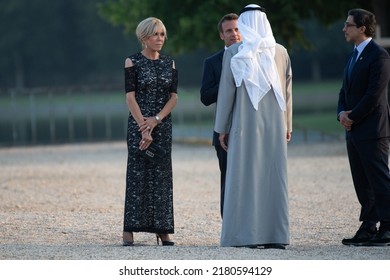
(130, 79)
(175, 80)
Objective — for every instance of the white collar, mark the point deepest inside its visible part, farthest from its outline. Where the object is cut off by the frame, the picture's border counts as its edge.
(362, 45)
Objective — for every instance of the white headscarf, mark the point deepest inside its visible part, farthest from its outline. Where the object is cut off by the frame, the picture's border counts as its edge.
(254, 63)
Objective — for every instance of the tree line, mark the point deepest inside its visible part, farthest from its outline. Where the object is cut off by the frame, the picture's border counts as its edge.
(70, 42)
(58, 43)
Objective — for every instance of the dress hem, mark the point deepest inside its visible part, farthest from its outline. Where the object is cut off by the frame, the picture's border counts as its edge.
(149, 230)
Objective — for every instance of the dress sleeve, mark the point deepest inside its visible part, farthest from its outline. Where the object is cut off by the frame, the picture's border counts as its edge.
(175, 80)
(130, 79)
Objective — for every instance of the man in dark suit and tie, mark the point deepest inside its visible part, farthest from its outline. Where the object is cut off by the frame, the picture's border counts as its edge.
(363, 111)
(212, 67)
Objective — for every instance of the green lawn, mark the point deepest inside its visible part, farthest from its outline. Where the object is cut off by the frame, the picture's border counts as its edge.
(314, 104)
(324, 87)
(325, 122)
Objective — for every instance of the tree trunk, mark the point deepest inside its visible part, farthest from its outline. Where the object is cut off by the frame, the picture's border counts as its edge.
(380, 8)
(19, 73)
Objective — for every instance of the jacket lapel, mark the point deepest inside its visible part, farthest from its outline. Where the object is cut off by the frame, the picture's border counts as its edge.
(360, 60)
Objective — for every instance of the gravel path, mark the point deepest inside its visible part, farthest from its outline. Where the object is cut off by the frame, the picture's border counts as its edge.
(66, 202)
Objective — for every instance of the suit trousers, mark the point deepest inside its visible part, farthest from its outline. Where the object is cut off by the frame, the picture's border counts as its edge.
(368, 161)
(222, 159)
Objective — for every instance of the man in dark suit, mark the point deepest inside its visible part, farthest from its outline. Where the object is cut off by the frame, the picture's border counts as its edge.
(363, 111)
(212, 67)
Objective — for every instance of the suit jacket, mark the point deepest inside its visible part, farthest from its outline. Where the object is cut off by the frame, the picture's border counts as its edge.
(212, 68)
(366, 94)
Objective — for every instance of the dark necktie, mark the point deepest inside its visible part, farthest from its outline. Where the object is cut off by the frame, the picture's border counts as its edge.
(352, 62)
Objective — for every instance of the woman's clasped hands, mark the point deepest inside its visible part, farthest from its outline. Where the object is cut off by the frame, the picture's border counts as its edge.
(146, 127)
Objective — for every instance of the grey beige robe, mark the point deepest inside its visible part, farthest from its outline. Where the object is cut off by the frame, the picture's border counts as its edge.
(256, 195)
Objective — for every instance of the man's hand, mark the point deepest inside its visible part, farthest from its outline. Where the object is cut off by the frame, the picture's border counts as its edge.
(288, 136)
(345, 121)
(223, 140)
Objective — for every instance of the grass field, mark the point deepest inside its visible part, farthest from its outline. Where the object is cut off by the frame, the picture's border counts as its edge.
(66, 114)
(314, 105)
(325, 122)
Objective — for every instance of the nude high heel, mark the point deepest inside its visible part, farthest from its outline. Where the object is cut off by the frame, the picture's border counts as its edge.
(164, 242)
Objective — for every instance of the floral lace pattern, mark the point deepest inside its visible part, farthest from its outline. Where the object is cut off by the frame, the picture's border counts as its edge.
(149, 187)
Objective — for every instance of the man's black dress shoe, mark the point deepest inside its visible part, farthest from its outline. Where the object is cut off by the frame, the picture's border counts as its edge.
(274, 246)
(361, 238)
(382, 238)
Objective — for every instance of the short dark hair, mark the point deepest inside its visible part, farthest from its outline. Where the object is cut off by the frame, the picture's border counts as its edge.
(231, 16)
(364, 18)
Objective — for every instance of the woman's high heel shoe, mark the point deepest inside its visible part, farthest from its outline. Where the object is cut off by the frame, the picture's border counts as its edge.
(128, 243)
(164, 243)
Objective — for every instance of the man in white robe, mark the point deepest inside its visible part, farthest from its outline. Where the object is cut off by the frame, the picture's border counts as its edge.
(254, 119)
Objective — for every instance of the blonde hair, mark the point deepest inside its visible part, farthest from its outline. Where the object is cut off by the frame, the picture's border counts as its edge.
(148, 27)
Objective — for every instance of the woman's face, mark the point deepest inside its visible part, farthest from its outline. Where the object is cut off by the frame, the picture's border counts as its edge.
(156, 41)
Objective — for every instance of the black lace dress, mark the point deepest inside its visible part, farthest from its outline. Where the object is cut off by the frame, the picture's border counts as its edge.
(149, 187)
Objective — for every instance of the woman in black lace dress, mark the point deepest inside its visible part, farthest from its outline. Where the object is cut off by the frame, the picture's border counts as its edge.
(151, 94)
